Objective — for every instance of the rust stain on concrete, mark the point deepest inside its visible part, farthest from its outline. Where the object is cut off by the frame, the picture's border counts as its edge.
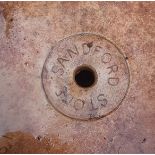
(19, 142)
(7, 11)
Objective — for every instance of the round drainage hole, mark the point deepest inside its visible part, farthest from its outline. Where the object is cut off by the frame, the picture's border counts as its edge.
(85, 76)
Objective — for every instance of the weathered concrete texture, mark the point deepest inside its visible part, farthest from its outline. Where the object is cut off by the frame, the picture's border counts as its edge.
(28, 31)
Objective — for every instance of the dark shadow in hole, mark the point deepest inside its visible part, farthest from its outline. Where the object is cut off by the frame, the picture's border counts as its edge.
(85, 77)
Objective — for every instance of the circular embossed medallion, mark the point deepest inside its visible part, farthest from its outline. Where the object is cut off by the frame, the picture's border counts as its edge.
(85, 76)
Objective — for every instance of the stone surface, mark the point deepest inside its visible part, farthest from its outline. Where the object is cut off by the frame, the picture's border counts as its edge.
(96, 53)
(28, 32)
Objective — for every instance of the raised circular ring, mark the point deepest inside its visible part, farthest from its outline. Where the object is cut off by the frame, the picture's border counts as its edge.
(107, 62)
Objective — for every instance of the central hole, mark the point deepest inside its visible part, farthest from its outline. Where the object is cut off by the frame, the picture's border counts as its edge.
(85, 76)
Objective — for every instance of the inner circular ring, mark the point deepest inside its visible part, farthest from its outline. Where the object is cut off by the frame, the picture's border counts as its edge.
(85, 76)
